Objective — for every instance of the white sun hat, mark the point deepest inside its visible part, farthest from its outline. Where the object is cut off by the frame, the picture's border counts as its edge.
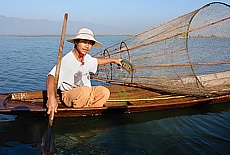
(87, 34)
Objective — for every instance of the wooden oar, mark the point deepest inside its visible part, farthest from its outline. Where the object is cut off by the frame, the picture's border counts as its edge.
(58, 65)
(47, 144)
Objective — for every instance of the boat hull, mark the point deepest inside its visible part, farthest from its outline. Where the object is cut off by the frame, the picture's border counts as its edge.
(131, 101)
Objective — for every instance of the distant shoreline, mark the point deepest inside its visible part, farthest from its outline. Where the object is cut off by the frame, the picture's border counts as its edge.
(99, 35)
(56, 35)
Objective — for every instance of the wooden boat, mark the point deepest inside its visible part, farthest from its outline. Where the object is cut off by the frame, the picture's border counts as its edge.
(123, 100)
(170, 70)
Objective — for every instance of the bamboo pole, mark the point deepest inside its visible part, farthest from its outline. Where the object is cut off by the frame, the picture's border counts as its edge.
(58, 66)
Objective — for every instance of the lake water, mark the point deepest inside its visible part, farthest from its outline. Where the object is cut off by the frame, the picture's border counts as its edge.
(25, 62)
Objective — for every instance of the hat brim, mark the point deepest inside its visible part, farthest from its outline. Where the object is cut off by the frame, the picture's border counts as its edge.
(96, 45)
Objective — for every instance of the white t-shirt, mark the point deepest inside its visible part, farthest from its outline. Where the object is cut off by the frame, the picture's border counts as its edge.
(73, 73)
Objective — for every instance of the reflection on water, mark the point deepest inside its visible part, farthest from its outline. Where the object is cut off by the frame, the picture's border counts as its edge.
(179, 131)
(201, 129)
(7, 118)
(22, 134)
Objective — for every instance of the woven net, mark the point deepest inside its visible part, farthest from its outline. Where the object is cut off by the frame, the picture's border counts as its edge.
(187, 55)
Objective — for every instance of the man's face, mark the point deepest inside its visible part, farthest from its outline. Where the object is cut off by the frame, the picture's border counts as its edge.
(84, 46)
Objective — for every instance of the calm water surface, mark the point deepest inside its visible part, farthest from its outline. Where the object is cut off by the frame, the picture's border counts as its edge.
(25, 62)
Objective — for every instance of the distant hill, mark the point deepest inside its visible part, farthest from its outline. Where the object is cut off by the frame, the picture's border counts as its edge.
(19, 26)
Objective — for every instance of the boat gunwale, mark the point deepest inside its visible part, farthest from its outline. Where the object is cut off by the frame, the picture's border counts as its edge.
(92, 111)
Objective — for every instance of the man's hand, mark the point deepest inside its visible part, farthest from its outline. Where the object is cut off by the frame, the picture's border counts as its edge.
(118, 61)
(52, 107)
(51, 102)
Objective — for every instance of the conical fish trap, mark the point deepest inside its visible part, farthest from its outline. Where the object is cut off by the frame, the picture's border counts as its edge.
(187, 55)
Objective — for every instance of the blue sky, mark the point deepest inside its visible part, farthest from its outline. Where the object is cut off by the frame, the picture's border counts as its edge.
(135, 14)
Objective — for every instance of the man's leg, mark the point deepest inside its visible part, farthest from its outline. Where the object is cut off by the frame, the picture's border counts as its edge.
(78, 97)
(99, 96)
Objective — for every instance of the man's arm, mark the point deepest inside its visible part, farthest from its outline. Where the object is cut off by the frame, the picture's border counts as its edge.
(102, 61)
(51, 102)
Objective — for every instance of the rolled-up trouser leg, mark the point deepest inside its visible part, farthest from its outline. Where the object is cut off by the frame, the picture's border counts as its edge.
(99, 96)
(78, 97)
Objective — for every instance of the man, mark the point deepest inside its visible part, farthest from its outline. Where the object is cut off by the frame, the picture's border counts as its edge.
(74, 78)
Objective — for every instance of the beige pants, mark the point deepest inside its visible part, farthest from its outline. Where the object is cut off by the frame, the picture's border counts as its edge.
(84, 96)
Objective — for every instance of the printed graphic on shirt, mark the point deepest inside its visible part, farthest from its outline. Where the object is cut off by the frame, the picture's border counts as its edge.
(78, 79)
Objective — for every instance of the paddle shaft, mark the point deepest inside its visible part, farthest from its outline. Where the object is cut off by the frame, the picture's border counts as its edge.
(58, 65)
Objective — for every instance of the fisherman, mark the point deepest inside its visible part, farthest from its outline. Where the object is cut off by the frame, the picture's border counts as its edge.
(74, 79)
